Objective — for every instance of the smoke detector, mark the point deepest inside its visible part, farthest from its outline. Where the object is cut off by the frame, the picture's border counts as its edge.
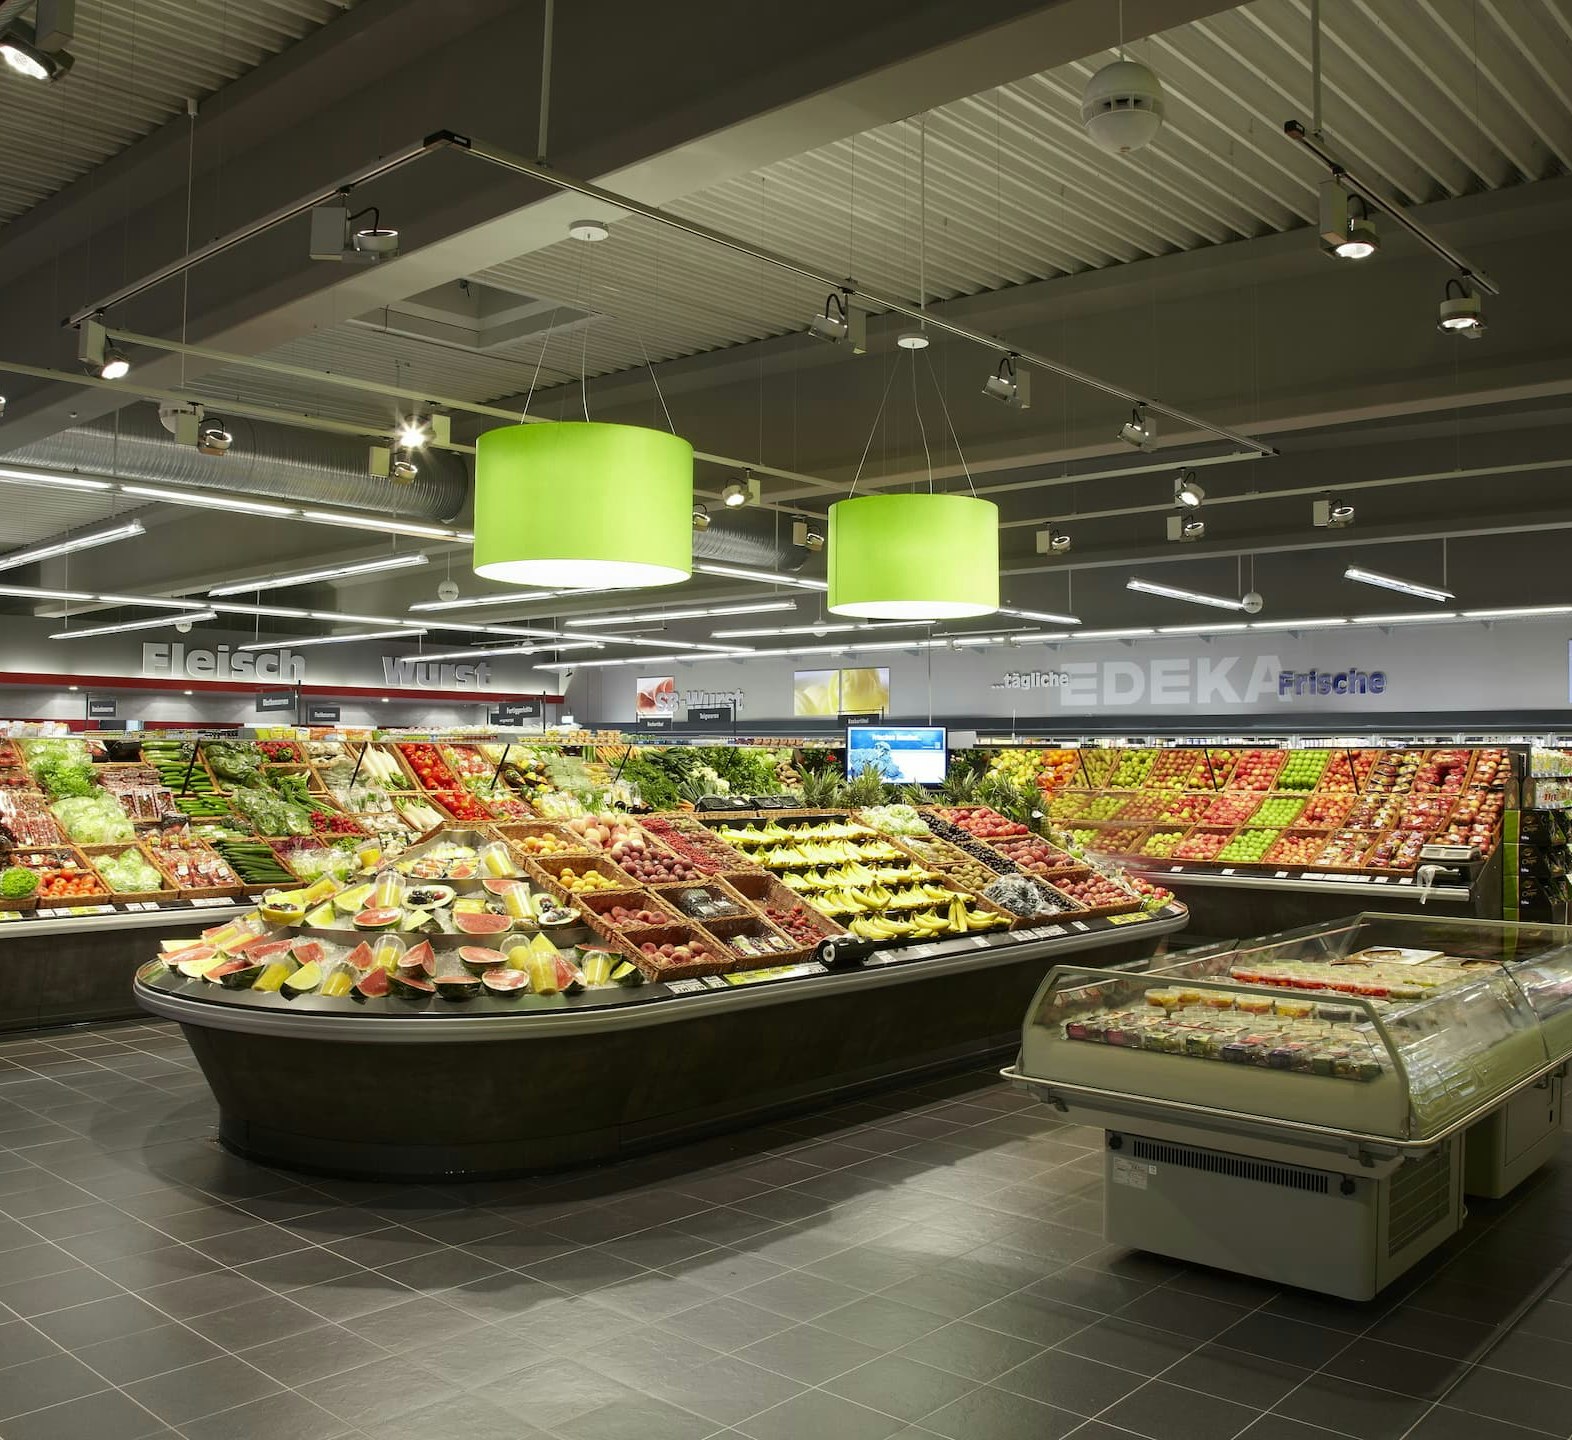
(1122, 107)
(448, 590)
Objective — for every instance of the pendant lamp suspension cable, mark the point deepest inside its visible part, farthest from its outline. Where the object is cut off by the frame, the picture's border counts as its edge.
(1315, 68)
(548, 24)
(872, 431)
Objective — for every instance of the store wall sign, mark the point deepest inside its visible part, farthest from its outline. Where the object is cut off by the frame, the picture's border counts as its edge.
(1030, 680)
(1179, 680)
(273, 702)
(711, 715)
(320, 714)
(410, 673)
(1294, 683)
(654, 722)
(224, 663)
(694, 699)
(515, 712)
(101, 707)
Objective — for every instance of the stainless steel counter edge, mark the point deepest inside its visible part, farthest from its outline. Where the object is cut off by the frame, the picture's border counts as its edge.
(124, 920)
(1451, 894)
(445, 1029)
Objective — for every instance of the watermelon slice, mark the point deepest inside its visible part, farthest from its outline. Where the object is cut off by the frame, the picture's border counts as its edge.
(237, 974)
(382, 918)
(457, 987)
(225, 967)
(505, 982)
(418, 961)
(481, 923)
(373, 984)
(359, 957)
(307, 952)
(627, 973)
(186, 949)
(303, 981)
(197, 969)
(501, 884)
(477, 959)
(569, 981)
(411, 984)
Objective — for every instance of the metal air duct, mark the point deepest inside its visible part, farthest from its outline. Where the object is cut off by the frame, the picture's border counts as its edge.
(271, 461)
(759, 539)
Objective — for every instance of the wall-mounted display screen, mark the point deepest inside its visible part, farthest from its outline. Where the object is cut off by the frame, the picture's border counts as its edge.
(906, 754)
(656, 695)
(815, 693)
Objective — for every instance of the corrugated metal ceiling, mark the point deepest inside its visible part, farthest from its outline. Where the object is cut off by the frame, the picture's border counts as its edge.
(137, 63)
(1434, 98)
(32, 514)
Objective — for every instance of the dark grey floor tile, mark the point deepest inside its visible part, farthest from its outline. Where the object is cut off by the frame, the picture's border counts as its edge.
(1533, 1404)
(50, 1380)
(1537, 1356)
(1069, 1382)
(298, 1268)
(899, 1386)
(21, 1342)
(990, 1414)
(57, 1292)
(800, 1295)
(1396, 1367)
(158, 1267)
(323, 1351)
(727, 1323)
(439, 1270)
(815, 1413)
(284, 1416)
(640, 1417)
(202, 1294)
(873, 1320)
(1252, 1380)
(1433, 1333)
(1089, 1289)
(584, 1271)
(108, 1415)
(1268, 1427)
(1357, 1410)
(969, 1350)
(1165, 1412)
(387, 1246)
(948, 1295)
(1353, 1317)
(1278, 1338)
(1129, 1346)
(1182, 1313)
(549, 1394)
(1550, 1318)
(726, 1390)
(28, 1262)
(807, 1354)
(506, 1296)
(725, 1271)
(466, 1415)
(198, 1390)
(114, 1242)
(256, 1322)
(1034, 1317)
(147, 1352)
(1445, 1423)
(97, 1320)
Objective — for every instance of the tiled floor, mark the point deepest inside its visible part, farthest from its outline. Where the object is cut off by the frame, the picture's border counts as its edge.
(925, 1262)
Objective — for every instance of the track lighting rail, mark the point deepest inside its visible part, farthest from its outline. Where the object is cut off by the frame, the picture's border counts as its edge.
(547, 175)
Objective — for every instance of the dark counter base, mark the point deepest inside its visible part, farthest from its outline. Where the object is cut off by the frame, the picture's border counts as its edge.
(1231, 913)
(546, 1102)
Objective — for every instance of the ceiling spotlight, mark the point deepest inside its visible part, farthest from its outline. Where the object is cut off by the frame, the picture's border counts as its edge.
(741, 492)
(402, 469)
(701, 518)
(373, 241)
(98, 356)
(1139, 430)
(807, 536)
(1181, 528)
(1008, 385)
(212, 437)
(1052, 542)
(592, 232)
(2, 407)
(1188, 490)
(1461, 314)
(23, 55)
(333, 236)
(412, 434)
(841, 322)
(1331, 514)
(1344, 235)
(912, 339)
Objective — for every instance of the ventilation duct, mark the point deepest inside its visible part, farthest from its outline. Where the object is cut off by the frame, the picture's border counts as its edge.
(271, 461)
(759, 539)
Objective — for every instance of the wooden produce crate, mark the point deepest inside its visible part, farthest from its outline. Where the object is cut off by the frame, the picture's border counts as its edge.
(1232, 808)
(755, 927)
(763, 891)
(1162, 840)
(1314, 840)
(1345, 851)
(168, 890)
(716, 960)
(201, 892)
(1326, 810)
(1209, 838)
(512, 832)
(48, 860)
(671, 897)
(1091, 912)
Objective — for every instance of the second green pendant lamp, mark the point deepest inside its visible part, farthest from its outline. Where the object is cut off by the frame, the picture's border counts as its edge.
(920, 556)
(584, 505)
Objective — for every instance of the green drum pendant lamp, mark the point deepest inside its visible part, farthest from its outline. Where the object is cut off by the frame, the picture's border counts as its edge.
(582, 504)
(914, 557)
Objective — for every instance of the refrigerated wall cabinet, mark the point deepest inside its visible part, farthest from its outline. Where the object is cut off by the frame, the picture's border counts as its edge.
(1311, 1108)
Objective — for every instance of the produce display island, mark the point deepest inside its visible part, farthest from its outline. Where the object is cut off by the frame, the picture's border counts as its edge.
(1311, 1107)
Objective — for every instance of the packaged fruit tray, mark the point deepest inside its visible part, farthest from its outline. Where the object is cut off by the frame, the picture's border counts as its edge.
(198, 871)
(166, 889)
(753, 942)
(566, 876)
(697, 902)
(675, 952)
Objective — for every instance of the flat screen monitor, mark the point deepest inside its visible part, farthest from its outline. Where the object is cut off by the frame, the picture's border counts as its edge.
(906, 754)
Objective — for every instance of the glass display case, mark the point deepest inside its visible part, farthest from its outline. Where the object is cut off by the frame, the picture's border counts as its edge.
(1345, 1081)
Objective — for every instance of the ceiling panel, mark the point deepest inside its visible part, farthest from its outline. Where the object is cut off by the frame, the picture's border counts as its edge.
(137, 63)
(33, 514)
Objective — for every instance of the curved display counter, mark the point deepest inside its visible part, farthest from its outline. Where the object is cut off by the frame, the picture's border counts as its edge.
(387, 1087)
(1343, 1084)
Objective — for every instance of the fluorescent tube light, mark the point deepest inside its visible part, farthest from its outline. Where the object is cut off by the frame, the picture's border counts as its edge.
(544, 647)
(658, 617)
(69, 547)
(825, 629)
(1325, 623)
(1177, 592)
(1392, 582)
(153, 624)
(767, 577)
(1111, 634)
(1222, 629)
(58, 482)
(334, 639)
(393, 527)
(307, 577)
(1046, 616)
(276, 612)
(1408, 619)
(209, 502)
(522, 597)
(154, 602)
(34, 592)
(346, 617)
(1513, 612)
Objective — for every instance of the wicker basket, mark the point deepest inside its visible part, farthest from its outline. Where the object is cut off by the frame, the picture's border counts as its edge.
(513, 831)
(762, 890)
(1092, 912)
(596, 905)
(728, 932)
(717, 961)
(167, 891)
(204, 892)
(546, 869)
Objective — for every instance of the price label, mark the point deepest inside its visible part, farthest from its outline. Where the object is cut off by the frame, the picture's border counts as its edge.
(979, 942)
(1406, 880)
(1176, 869)
(210, 902)
(1079, 925)
(1381, 879)
(1054, 930)
(1358, 879)
(1281, 875)
(684, 987)
(712, 982)
(1228, 872)
(48, 914)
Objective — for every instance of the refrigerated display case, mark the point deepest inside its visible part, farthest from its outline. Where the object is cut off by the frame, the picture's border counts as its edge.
(1311, 1107)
